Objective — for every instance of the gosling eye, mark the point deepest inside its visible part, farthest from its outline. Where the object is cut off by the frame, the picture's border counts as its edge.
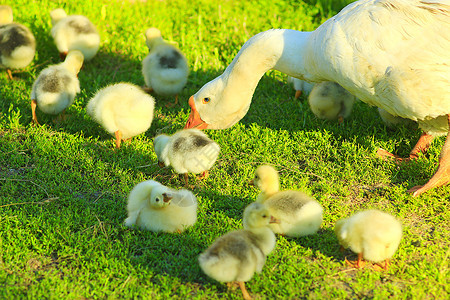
(206, 100)
(157, 199)
(264, 216)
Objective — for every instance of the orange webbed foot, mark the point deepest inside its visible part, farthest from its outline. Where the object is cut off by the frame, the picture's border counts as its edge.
(169, 105)
(357, 264)
(204, 175)
(146, 89)
(421, 146)
(381, 267)
(118, 135)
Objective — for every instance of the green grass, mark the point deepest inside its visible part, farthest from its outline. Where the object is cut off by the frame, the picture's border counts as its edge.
(64, 187)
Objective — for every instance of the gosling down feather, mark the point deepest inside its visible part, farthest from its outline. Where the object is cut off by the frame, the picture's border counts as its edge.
(123, 109)
(56, 86)
(74, 32)
(165, 68)
(391, 54)
(17, 43)
(187, 151)
(392, 121)
(153, 206)
(237, 255)
(328, 100)
(372, 234)
(298, 214)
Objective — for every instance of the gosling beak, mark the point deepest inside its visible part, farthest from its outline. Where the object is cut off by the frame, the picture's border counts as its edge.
(251, 182)
(161, 164)
(166, 198)
(194, 120)
(273, 220)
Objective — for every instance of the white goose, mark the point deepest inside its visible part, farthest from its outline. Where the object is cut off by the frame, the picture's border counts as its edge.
(389, 53)
(394, 121)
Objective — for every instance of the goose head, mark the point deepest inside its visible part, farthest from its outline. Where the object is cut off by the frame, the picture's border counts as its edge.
(341, 232)
(152, 36)
(256, 215)
(219, 104)
(266, 179)
(225, 100)
(6, 14)
(57, 15)
(160, 197)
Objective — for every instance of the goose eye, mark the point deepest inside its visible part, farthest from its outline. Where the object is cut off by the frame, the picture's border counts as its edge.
(206, 100)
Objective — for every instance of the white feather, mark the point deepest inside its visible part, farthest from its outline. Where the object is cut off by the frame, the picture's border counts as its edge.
(124, 107)
(147, 209)
(237, 255)
(56, 86)
(165, 68)
(74, 32)
(298, 214)
(185, 155)
(19, 44)
(373, 233)
(389, 53)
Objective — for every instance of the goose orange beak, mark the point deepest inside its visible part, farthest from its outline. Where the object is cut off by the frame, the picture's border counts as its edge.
(166, 198)
(194, 120)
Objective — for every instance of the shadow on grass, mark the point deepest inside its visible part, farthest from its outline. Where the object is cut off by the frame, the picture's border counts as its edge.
(324, 242)
(167, 253)
(274, 106)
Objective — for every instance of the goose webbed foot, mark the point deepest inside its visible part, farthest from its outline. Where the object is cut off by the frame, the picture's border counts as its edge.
(421, 146)
(8, 71)
(33, 112)
(204, 175)
(357, 264)
(442, 175)
(382, 267)
(147, 89)
(440, 178)
(118, 135)
(245, 294)
(169, 105)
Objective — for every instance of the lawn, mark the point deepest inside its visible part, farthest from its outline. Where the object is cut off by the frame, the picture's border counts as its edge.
(64, 187)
